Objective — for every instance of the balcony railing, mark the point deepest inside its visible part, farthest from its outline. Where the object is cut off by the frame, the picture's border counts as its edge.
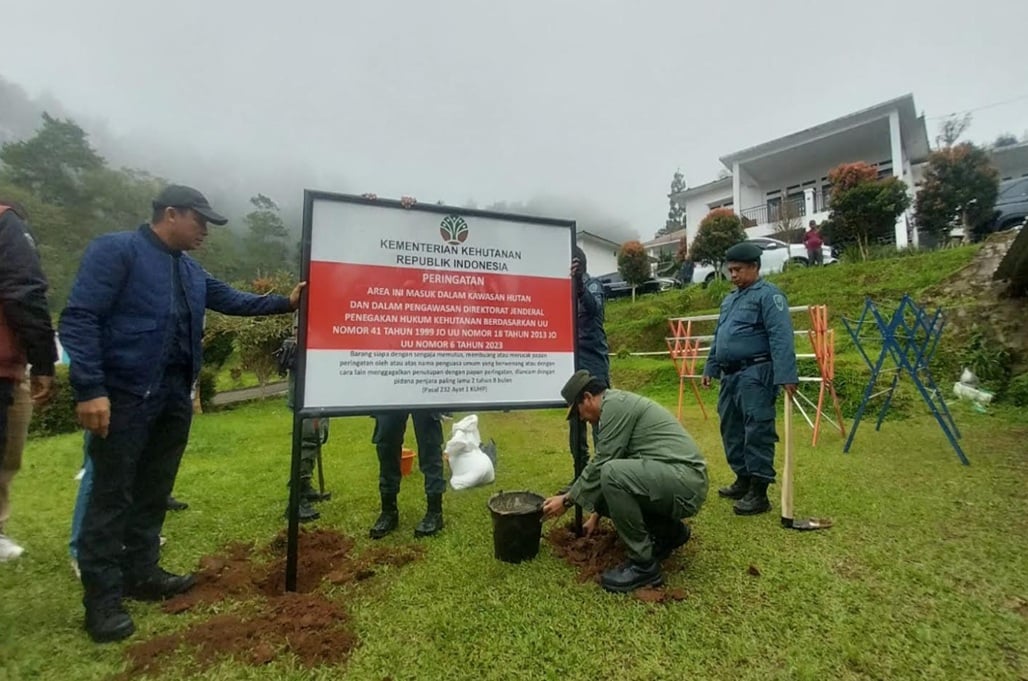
(791, 208)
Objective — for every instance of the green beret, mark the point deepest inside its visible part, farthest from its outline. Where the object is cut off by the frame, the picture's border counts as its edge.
(743, 252)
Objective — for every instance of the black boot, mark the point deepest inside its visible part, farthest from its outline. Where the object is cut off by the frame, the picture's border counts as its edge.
(738, 489)
(305, 513)
(176, 505)
(665, 543)
(630, 576)
(388, 520)
(308, 493)
(158, 585)
(108, 621)
(755, 501)
(433, 520)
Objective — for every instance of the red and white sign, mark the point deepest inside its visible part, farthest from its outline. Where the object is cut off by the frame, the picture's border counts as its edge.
(426, 307)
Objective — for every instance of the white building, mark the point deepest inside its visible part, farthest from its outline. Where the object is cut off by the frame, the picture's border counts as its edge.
(601, 253)
(792, 171)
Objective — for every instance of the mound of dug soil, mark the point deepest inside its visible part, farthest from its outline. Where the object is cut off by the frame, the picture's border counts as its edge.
(271, 622)
(591, 555)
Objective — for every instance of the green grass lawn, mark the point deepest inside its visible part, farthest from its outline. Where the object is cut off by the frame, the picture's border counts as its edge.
(925, 574)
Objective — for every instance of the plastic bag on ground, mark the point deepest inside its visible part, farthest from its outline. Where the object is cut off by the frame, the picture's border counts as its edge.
(469, 465)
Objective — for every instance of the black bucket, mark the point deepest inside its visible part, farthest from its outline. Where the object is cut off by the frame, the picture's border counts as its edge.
(517, 525)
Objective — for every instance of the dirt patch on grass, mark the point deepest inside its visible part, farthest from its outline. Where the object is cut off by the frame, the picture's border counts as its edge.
(269, 622)
(592, 555)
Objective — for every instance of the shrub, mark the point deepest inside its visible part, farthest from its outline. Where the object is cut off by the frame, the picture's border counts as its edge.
(1017, 391)
(207, 384)
(633, 264)
(719, 230)
(58, 416)
(864, 208)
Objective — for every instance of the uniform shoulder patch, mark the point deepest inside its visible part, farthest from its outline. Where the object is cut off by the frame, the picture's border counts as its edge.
(779, 301)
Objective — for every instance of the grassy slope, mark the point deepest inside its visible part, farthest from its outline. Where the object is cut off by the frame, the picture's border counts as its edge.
(924, 576)
(641, 326)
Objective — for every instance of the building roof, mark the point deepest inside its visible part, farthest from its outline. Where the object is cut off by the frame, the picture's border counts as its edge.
(664, 239)
(913, 129)
(596, 237)
(706, 187)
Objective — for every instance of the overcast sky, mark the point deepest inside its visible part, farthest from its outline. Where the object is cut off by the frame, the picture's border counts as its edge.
(486, 100)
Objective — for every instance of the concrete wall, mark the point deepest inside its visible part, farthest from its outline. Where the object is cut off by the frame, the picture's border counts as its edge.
(698, 205)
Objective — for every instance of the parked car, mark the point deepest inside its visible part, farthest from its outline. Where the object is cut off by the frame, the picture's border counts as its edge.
(1011, 204)
(776, 255)
(615, 286)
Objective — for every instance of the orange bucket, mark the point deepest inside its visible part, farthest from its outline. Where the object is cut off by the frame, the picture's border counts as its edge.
(406, 461)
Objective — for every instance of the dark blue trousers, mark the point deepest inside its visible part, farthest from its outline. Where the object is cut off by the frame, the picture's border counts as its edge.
(746, 405)
(388, 438)
(134, 470)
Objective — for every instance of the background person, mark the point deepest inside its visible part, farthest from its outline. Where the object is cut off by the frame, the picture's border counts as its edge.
(26, 337)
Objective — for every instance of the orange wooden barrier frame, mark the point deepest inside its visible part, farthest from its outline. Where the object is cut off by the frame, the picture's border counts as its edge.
(822, 339)
(685, 349)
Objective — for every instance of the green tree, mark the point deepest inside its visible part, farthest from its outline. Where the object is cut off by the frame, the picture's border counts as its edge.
(719, 230)
(676, 212)
(952, 129)
(633, 264)
(266, 244)
(257, 338)
(864, 208)
(959, 181)
(1004, 139)
(52, 163)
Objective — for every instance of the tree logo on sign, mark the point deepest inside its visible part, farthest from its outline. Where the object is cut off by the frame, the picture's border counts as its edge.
(453, 229)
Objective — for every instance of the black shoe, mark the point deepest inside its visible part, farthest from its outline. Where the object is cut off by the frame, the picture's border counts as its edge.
(176, 505)
(755, 501)
(305, 513)
(315, 497)
(663, 547)
(432, 523)
(738, 489)
(630, 576)
(109, 622)
(388, 521)
(158, 586)
(308, 493)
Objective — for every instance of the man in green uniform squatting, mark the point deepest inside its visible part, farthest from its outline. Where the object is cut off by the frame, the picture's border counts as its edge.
(753, 353)
(647, 474)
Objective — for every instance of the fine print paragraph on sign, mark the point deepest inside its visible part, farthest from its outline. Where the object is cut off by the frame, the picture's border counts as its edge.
(402, 328)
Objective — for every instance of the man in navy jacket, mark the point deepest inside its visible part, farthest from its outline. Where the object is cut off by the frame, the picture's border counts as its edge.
(132, 329)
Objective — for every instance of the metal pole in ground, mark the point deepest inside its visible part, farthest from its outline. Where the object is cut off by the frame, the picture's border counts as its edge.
(293, 532)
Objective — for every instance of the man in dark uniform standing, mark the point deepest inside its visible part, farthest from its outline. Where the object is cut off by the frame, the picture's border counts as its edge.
(388, 438)
(753, 354)
(132, 328)
(593, 354)
(313, 434)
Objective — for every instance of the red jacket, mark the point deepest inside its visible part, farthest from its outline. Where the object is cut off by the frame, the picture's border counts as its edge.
(813, 240)
(26, 331)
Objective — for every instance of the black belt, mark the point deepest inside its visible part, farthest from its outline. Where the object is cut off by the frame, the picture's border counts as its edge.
(735, 367)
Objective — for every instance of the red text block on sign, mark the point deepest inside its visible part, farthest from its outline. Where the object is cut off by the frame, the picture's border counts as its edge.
(374, 307)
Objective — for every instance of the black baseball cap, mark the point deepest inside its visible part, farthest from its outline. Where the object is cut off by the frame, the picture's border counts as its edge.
(180, 196)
